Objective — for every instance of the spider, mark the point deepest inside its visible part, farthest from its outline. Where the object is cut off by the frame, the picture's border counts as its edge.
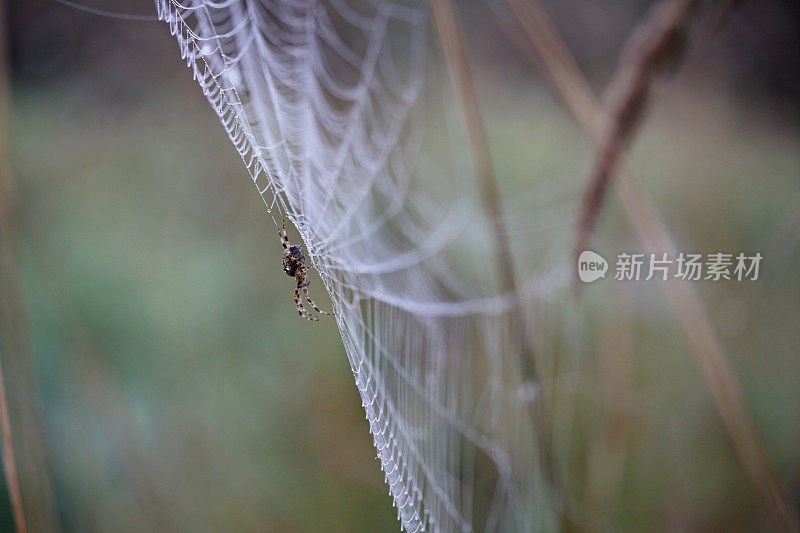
(294, 265)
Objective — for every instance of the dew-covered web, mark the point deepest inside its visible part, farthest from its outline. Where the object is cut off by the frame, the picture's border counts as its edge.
(328, 104)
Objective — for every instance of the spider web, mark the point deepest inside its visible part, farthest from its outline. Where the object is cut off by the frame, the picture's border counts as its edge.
(326, 103)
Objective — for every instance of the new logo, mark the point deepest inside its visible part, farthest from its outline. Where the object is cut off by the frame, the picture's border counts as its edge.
(591, 266)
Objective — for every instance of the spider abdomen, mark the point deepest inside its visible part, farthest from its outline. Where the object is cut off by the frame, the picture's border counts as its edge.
(293, 259)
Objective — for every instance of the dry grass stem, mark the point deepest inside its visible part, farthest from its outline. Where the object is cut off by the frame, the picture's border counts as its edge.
(453, 46)
(657, 42)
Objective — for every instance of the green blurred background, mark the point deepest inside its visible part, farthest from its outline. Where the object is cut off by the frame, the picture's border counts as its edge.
(177, 388)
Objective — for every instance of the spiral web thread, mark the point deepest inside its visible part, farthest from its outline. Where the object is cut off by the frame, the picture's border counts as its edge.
(323, 101)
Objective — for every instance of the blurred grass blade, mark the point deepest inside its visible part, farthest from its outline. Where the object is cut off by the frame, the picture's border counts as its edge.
(9, 463)
(608, 449)
(26, 473)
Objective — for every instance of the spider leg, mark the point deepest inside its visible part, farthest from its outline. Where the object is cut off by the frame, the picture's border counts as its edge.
(300, 309)
(317, 309)
(283, 236)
